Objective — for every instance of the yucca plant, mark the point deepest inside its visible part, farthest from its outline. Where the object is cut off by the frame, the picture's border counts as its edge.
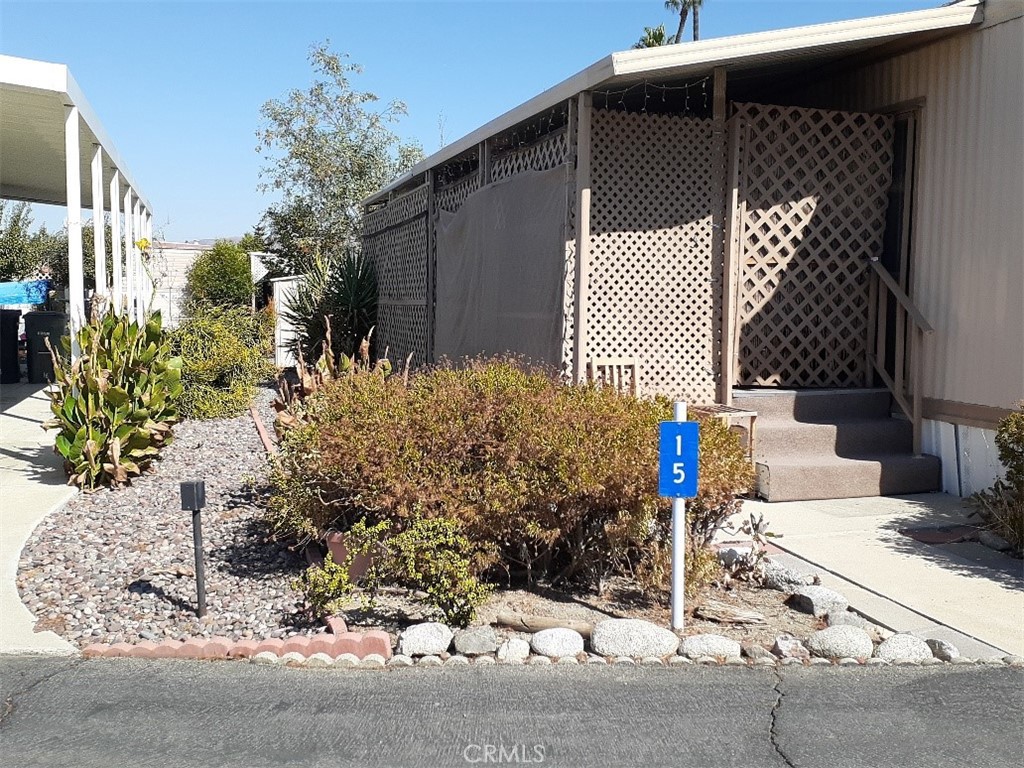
(115, 405)
(337, 289)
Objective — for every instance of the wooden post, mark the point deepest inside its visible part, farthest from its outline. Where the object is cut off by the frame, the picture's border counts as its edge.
(869, 372)
(722, 209)
(430, 291)
(731, 241)
(582, 231)
(917, 355)
(568, 299)
(484, 162)
(720, 102)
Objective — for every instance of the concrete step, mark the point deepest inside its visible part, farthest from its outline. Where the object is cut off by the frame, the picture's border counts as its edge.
(805, 476)
(849, 437)
(814, 405)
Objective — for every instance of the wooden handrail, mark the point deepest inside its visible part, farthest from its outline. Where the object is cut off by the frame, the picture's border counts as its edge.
(876, 357)
(894, 288)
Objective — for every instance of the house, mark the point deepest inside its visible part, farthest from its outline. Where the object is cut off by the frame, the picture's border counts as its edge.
(56, 151)
(821, 225)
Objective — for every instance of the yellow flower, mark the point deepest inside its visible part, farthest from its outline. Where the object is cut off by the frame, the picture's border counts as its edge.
(143, 244)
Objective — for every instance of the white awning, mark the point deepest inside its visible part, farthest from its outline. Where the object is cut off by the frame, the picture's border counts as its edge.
(33, 97)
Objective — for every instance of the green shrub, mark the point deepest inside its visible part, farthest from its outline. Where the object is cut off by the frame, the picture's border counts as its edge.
(224, 357)
(547, 481)
(1002, 506)
(431, 555)
(342, 288)
(221, 276)
(116, 404)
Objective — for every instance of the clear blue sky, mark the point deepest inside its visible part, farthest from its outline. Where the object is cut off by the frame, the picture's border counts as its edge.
(179, 85)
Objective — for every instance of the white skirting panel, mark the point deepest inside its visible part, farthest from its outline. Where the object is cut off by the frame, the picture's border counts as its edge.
(970, 459)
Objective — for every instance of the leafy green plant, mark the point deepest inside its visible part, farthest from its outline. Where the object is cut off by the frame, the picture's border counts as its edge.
(1002, 506)
(221, 276)
(549, 482)
(429, 555)
(115, 405)
(224, 357)
(337, 294)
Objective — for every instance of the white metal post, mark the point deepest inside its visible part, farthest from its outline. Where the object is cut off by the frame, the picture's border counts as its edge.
(129, 260)
(679, 531)
(147, 232)
(117, 298)
(73, 179)
(99, 241)
(140, 282)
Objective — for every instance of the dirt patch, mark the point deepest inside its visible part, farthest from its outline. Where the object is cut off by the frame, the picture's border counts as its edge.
(620, 599)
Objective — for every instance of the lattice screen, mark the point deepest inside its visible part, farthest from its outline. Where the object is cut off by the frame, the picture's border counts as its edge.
(813, 186)
(395, 238)
(549, 152)
(655, 288)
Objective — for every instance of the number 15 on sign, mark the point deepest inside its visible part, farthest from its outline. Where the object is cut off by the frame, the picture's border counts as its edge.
(677, 475)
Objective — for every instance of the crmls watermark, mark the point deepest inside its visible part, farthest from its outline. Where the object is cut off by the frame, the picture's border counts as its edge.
(492, 754)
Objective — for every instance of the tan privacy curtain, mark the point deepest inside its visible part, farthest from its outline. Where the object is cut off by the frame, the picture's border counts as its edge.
(500, 270)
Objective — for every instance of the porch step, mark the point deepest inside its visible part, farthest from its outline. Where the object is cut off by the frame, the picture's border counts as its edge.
(814, 405)
(834, 444)
(800, 477)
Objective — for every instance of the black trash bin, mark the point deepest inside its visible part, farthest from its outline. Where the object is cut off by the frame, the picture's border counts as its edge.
(10, 371)
(39, 326)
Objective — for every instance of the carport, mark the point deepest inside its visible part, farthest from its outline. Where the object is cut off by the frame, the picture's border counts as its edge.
(56, 151)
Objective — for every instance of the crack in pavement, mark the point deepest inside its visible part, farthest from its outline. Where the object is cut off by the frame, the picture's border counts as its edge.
(773, 733)
(8, 704)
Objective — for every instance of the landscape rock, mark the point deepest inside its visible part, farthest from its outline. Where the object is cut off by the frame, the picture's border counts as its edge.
(430, 661)
(755, 651)
(513, 651)
(476, 641)
(729, 556)
(840, 642)
(904, 647)
(538, 661)
(788, 647)
(557, 642)
(428, 639)
(818, 601)
(846, 619)
(400, 661)
(942, 650)
(699, 646)
(632, 637)
(994, 541)
(783, 579)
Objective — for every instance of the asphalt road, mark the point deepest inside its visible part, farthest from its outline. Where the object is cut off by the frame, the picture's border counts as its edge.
(122, 712)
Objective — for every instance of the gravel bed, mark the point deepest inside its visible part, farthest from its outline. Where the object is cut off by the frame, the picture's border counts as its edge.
(117, 566)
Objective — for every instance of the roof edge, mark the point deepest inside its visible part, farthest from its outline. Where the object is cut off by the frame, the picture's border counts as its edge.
(711, 53)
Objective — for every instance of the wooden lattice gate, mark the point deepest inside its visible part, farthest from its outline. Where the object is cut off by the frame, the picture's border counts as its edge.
(810, 212)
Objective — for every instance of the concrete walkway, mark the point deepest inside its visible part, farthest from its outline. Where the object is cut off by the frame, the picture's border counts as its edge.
(32, 484)
(965, 593)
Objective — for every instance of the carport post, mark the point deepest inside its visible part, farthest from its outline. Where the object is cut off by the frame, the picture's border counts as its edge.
(129, 261)
(73, 178)
(99, 241)
(115, 238)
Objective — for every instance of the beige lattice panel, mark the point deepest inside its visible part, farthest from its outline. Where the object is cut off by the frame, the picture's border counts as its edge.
(451, 197)
(395, 239)
(813, 188)
(655, 286)
(548, 152)
(569, 279)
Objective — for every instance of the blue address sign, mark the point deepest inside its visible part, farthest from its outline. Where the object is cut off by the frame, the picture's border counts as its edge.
(677, 469)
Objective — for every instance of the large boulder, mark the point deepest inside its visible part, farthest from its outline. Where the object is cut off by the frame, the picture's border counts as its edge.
(476, 641)
(428, 639)
(840, 642)
(632, 637)
(903, 647)
(818, 601)
(557, 642)
(700, 646)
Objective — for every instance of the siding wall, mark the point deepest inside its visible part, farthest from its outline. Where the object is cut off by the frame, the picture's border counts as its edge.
(968, 241)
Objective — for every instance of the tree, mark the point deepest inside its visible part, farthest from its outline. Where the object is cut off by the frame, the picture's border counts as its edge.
(653, 37)
(328, 148)
(683, 8)
(221, 276)
(17, 257)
